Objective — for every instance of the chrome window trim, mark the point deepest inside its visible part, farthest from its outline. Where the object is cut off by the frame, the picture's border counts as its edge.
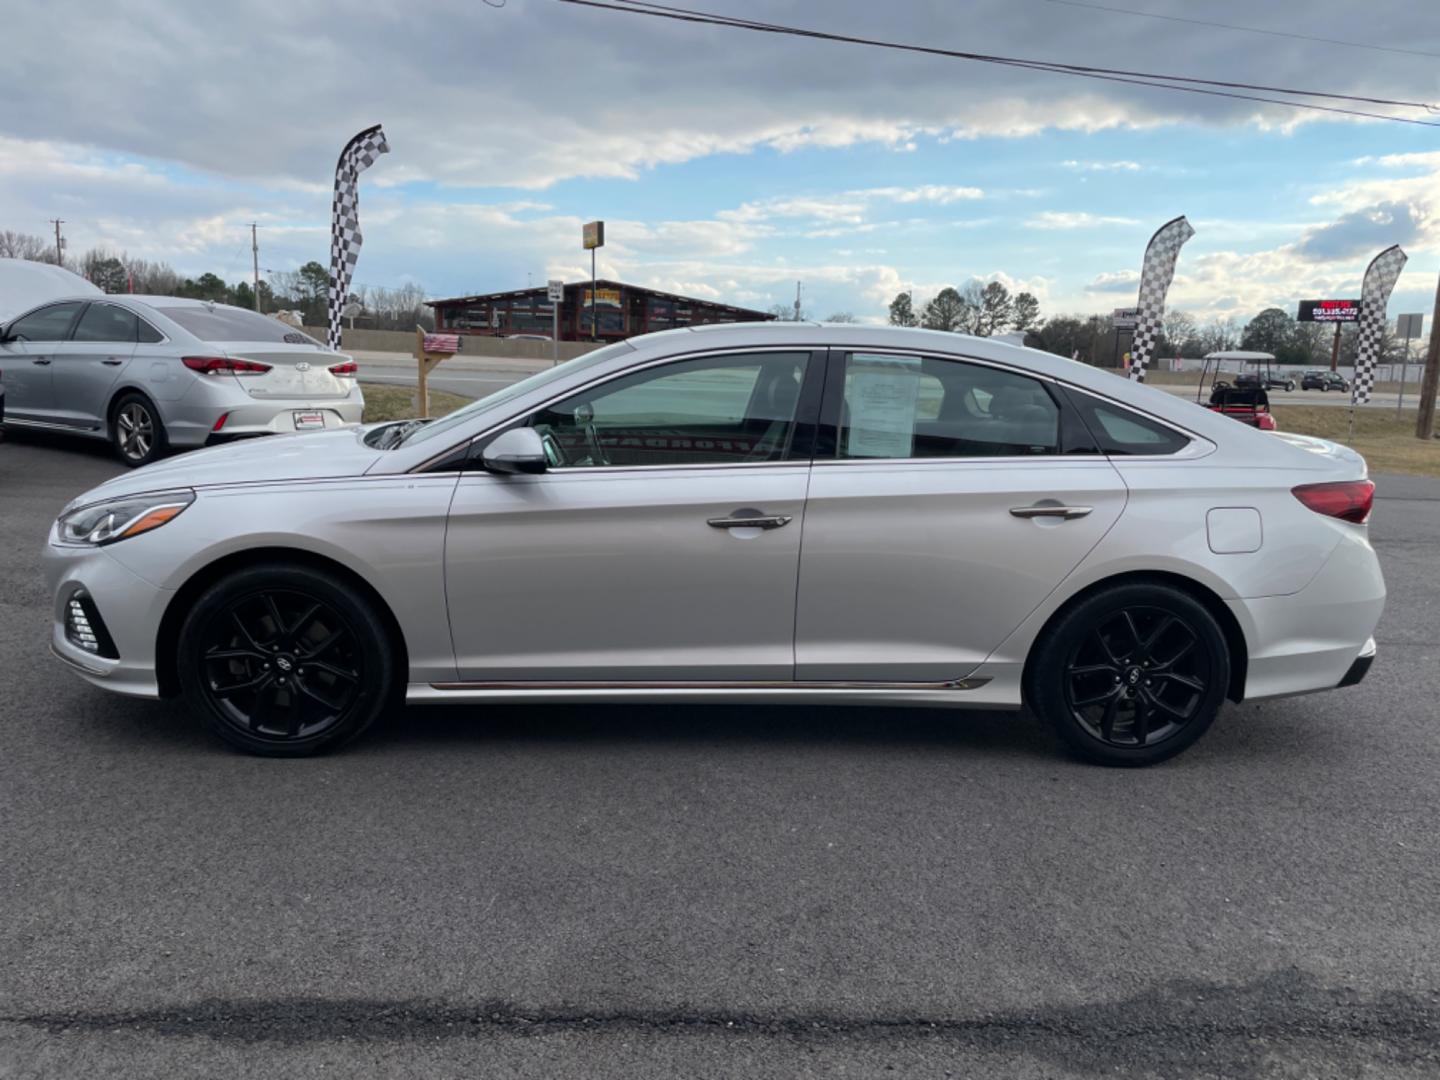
(809, 352)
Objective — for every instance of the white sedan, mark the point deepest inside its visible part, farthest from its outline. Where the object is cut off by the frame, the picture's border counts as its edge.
(748, 513)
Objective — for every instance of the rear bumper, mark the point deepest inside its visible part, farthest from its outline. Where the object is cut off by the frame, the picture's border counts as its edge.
(1361, 667)
(190, 424)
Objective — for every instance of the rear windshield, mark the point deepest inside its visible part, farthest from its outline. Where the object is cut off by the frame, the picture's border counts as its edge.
(234, 324)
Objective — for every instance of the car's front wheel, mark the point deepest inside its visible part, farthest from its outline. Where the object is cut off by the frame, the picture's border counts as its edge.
(1131, 675)
(286, 660)
(136, 431)
(1289, 386)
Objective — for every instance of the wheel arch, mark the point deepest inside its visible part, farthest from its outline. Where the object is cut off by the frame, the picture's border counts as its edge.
(167, 637)
(1230, 627)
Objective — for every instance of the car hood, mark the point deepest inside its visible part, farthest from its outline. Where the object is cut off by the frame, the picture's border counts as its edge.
(274, 458)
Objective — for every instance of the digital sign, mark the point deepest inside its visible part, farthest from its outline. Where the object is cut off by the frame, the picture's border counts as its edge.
(592, 235)
(1329, 311)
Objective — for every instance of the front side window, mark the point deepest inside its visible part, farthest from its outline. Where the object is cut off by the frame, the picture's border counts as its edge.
(106, 323)
(712, 410)
(919, 407)
(48, 324)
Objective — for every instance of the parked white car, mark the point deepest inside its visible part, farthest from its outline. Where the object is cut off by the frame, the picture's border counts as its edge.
(151, 373)
(745, 513)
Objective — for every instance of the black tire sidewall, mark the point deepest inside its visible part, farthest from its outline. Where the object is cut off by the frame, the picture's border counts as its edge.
(378, 677)
(157, 448)
(1045, 680)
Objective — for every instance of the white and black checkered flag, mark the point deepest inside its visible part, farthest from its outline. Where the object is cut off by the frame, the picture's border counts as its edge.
(1380, 278)
(1155, 277)
(345, 239)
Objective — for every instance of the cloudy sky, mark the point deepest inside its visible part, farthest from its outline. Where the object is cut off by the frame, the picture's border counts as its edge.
(729, 164)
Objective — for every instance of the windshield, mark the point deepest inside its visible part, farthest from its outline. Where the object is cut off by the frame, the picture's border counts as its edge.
(224, 323)
(511, 392)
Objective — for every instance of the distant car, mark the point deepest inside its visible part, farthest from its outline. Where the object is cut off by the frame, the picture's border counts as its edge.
(526, 337)
(1264, 380)
(149, 373)
(1323, 380)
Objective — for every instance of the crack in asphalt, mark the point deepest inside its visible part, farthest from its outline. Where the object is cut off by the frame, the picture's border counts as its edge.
(1177, 1028)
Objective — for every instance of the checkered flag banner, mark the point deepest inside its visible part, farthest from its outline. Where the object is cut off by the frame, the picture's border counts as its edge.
(345, 238)
(1380, 278)
(1155, 277)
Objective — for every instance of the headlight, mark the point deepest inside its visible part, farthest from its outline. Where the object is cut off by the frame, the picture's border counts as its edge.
(120, 519)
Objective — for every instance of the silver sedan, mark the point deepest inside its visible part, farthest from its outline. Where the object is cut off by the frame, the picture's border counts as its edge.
(752, 513)
(151, 373)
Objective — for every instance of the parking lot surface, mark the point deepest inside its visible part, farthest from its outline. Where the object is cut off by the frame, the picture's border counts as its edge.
(713, 891)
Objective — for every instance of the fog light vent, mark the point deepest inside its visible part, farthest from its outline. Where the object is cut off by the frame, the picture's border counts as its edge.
(85, 629)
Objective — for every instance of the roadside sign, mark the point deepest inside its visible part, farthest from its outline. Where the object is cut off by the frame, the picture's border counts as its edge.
(1410, 326)
(1125, 318)
(593, 235)
(555, 289)
(1336, 311)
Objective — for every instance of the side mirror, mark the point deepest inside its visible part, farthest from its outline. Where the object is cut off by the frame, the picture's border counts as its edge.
(519, 450)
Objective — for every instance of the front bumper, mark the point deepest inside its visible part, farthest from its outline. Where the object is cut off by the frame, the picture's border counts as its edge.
(130, 606)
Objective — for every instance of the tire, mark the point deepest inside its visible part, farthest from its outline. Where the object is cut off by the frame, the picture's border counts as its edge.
(1103, 675)
(283, 660)
(1289, 387)
(136, 431)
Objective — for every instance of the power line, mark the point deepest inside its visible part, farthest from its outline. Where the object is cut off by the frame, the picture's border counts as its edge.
(1244, 29)
(1138, 78)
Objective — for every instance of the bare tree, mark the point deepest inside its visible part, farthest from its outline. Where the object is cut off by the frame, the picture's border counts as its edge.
(16, 245)
(841, 317)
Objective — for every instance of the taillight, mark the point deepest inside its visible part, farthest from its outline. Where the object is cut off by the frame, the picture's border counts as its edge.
(1349, 500)
(349, 367)
(1264, 421)
(223, 365)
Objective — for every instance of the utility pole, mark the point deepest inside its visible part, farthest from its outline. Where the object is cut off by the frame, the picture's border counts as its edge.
(797, 301)
(1425, 425)
(59, 243)
(255, 255)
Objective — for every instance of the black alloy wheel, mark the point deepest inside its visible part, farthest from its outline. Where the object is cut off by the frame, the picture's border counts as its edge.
(1132, 675)
(285, 661)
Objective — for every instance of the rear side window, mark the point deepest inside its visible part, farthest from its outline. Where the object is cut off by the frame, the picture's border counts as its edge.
(223, 323)
(1117, 430)
(107, 323)
(48, 324)
(148, 334)
(928, 407)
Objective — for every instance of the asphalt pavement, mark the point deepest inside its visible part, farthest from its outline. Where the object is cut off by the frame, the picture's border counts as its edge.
(711, 891)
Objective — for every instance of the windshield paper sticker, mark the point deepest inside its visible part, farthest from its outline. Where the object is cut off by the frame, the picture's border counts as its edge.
(882, 394)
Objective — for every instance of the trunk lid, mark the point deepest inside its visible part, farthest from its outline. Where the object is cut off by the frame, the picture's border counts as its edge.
(301, 372)
(1347, 464)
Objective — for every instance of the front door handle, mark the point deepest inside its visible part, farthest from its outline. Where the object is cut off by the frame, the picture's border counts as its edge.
(1066, 512)
(41, 360)
(750, 521)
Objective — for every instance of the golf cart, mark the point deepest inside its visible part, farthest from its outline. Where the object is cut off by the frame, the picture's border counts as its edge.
(1247, 397)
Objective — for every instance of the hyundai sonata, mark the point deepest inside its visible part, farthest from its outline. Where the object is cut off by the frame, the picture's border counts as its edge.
(749, 513)
(149, 373)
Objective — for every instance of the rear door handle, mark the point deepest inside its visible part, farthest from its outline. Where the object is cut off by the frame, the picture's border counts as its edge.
(112, 362)
(1066, 512)
(756, 521)
(41, 360)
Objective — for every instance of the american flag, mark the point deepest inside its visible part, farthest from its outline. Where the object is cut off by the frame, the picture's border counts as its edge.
(345, 238)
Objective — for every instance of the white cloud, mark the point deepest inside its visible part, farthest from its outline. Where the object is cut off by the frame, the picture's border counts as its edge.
(1102, 166)
(1074, 219)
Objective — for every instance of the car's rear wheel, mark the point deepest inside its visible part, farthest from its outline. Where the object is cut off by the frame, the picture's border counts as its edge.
(136, 431)
(285, 660)
(1131, 675)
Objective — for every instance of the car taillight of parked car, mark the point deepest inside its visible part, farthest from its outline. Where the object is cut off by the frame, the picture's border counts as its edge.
(224, 365)
(1265, 422)
(349, 367)
(1349, 500)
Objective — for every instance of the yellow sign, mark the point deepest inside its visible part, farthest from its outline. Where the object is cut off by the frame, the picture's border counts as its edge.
(593, 235)
(603, 296)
